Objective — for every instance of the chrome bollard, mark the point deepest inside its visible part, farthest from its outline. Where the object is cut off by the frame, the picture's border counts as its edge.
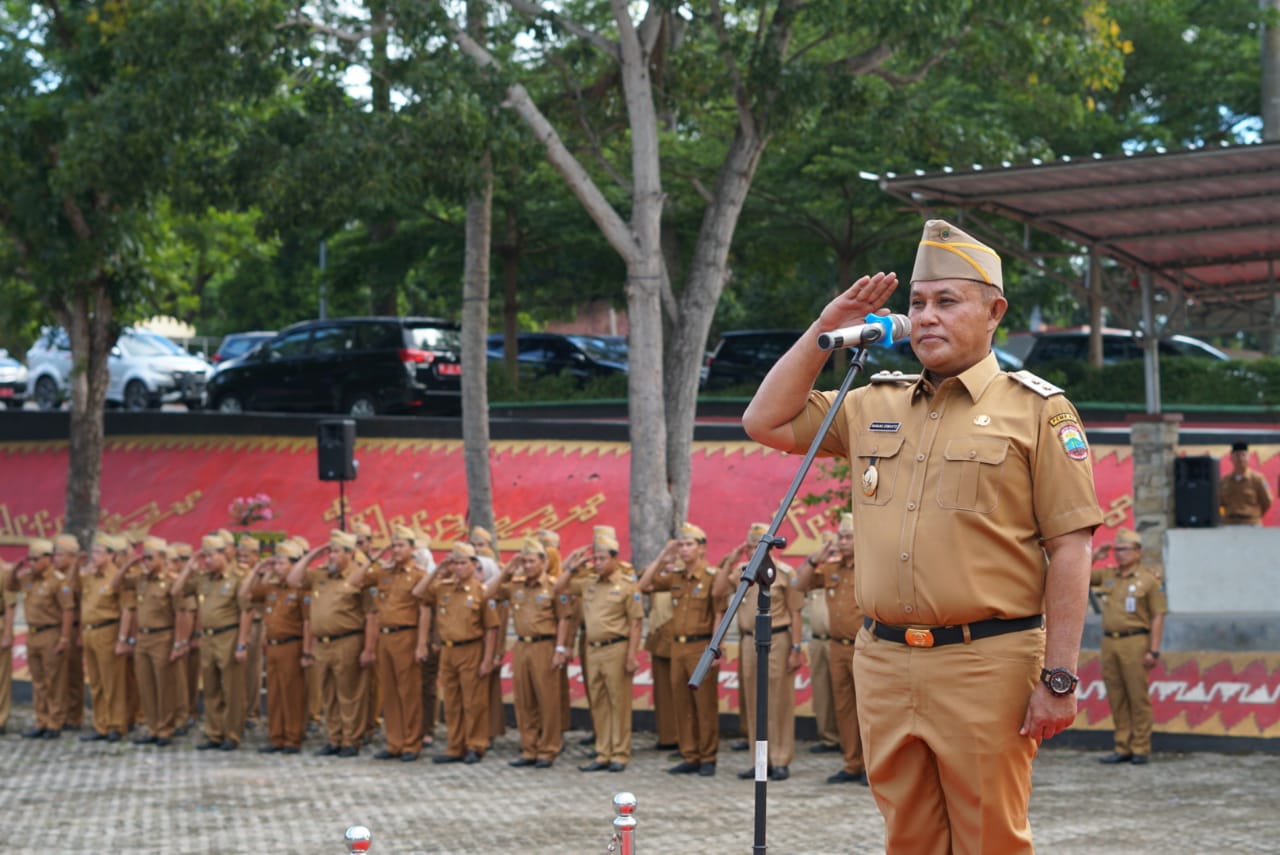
(358, 839)
(624, 825)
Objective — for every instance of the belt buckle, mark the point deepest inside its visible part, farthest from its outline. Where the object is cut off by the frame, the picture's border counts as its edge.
(918, 637)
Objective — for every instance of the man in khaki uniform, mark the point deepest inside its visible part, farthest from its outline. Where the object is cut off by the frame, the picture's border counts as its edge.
(974, 507)
(832, 571)
(6, 646)
(612, 615)
(215, 582)
(248, 553)
(658, 643)
(550, 541)
(285, 625)
(785, 651)
(429, 664)
(342, 642)
(695, 614)
(468, 624)
(821, 700)
(1132, 629)
(402, 632)
(365, 556)
(487, 552)
(163, 629)
(1243, 495)
(100, 619)
(125, 557)
(186, 666)
(530, 594)
(67, 559)
(49, 607)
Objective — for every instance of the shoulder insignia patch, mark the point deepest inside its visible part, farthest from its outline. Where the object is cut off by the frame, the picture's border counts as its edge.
(894, 377)
(1041, 387)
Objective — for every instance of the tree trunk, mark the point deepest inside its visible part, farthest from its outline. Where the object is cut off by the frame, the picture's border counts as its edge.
(475, 328)
(87, 319)
(510, 299)
(651, 506)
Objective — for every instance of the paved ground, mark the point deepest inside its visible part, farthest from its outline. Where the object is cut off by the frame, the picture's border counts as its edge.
(64, 796)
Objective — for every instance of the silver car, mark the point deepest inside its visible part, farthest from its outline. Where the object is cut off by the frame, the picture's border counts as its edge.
(145, 371)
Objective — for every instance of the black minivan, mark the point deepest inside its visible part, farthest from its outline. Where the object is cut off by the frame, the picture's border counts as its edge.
(359, 366)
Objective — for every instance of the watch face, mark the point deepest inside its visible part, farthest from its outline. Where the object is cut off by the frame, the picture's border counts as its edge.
(1060, 682)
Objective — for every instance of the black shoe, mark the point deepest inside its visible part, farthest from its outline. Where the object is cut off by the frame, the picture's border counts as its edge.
(51, 734)
(685, 768)
(707, 770)
(250, 724)
(291, 749)
(33, 733)
(269, 749)
(843, 777)
(93, 736)
(779, 773)
(589, 739)
(522, 761)
(408, 757)
(144, 740)
(666, 746)
(384, 754)
(163, 741)
(1114, 758)
(542, 764)
(747, 774)
(740, 745)
(348, 751)
(470, 758)
(229, 745)
(327, 751)
(112, 736)
(208, 745)
(446, 758)
(615, 766)
(71, 727)
(1139, 760)
(824, 748)
(180, 731)
(594, 766)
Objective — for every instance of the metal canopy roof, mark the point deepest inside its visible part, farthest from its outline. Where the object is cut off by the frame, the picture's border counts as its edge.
(1207, 221)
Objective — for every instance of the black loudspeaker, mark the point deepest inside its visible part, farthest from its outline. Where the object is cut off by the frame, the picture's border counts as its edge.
(336, 449)
(1195, 492)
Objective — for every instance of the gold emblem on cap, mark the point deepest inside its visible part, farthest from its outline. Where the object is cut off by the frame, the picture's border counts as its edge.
(870, 479)
(982, 420)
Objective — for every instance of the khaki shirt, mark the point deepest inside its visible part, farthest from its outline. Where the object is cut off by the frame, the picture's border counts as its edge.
(838, 582)
(1131, 600)
(970, 477)
(535, 608)
(154, 600)
(45, 598)
(282, 608)
(784, 598)
(99, 600)
(609, 606)
(393, 597)
(1243, 500)
(462, 613)
(218, 598)
(693, 606)
(336, 606)
(819, 622)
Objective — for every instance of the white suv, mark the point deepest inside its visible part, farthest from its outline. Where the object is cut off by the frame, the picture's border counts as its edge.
(146, 370)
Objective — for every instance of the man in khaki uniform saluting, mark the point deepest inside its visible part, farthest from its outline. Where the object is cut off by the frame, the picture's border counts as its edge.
(248, 552)
(100, 619)
(49, 607)
(67, 560)
(285, 626)
(1243, 495)
(974, 508)
(402, 632)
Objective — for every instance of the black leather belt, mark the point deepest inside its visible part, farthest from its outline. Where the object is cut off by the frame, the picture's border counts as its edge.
(938, 636)
(325, 639)
(388, 630)
(750, 633)
(817, 637)
(218, 630)
(609, 641)
(43, 627)
(845, 641)
(685, 639)
(149, 630)
(534, 639)
(462, 643)
(1125, 633)
(111, 622)
(289, 640)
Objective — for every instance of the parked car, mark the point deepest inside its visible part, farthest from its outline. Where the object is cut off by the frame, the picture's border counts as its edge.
(13, 381)
(544, 354)
(1117, 346)
(360, 366)
(235, 345)
(144, 369)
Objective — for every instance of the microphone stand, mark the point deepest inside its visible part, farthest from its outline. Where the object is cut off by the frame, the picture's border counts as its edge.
(760, 571)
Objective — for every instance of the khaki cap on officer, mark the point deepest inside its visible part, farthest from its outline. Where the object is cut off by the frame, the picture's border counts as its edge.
(1129, 536)
(947, 252)
(547, 537)
(755, 532)
(67, 543)
(342, 540)
(693, 532)
(39, 548)
(403, 532)
(463, 550)
(846, 524)
(154, 546)
(532, 547)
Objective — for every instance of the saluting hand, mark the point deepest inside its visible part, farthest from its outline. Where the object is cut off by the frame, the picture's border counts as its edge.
(863, 297)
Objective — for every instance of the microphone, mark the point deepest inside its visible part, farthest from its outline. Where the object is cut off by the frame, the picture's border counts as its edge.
(879, 329)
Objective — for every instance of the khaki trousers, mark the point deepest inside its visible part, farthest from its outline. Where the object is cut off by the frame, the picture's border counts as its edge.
(187, 697)
(73, 706)
(820, 698)
(48, 679)
(132, 699)
(223, 679)
(845, 699)
(157, 681)
(697, 712)
(609, 691)
(344, 689)
(430, 670)
(253, 672)
(286, 694)
(782, 696)
(537, 699)
(6, 684)
(948, 770)
(400, 677)
(466, 698)
(664, 702)
(106, 679)
(1127, 692)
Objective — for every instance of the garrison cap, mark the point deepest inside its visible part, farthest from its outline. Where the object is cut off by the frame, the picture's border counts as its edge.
(946, 252)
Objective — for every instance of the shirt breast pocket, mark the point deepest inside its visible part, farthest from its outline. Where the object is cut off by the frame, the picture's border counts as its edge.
(971, 471)
(880, 452)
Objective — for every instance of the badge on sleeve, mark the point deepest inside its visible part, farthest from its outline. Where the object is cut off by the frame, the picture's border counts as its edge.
(1072, 439)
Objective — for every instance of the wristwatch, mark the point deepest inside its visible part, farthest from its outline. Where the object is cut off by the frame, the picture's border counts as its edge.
(1059, 680)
